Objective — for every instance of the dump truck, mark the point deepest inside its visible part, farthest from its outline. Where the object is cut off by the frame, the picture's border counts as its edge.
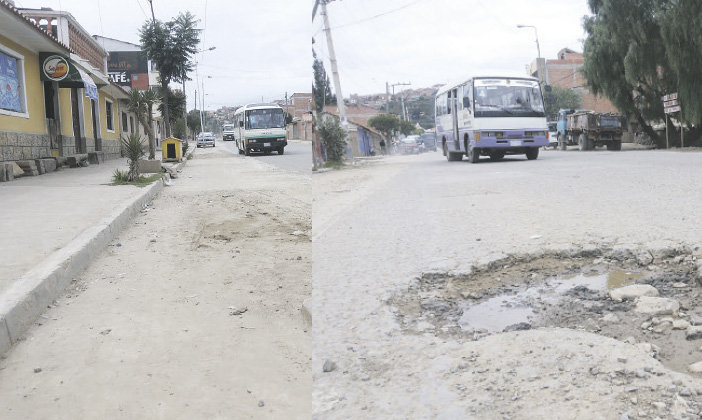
(589, 129)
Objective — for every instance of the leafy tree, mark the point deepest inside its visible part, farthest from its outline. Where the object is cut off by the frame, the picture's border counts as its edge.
(288, 118)
(179, 129)
(333, 137)
(386, 124)
(625, 58)
(321, 89)
(141, 103)
(170, 45)
(561, 98)
(406, 127)
(193, 121)
(682, 38)
(176, 106)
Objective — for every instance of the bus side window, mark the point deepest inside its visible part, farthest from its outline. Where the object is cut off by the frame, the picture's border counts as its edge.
(448, 102)
(467, 97)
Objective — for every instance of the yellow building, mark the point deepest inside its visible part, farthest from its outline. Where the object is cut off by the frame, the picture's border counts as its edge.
(53, 101)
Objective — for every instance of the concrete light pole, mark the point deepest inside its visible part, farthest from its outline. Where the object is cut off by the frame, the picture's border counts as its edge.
(197, 78)
(332, 59)
(538, 52)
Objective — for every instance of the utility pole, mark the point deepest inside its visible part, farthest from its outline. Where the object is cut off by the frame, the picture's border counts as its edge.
(153, 16)
(387, 97)
(332, 59)
(402, 99)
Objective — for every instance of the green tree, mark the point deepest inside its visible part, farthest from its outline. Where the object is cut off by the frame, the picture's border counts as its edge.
(625, 58)
(176, 106)
(170, 45)
(406, 127)
(321, 89)
(561, 98)
(682, 38)
(386, 124)
(333, 137)
(179, 129)
(193, 121)
(141, 103)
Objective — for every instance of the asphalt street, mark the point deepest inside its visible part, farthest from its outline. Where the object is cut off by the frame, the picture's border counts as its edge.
(297, 157)
(379, 227)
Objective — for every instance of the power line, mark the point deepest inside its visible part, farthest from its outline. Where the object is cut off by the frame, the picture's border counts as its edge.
(142, 9)
(378, 15)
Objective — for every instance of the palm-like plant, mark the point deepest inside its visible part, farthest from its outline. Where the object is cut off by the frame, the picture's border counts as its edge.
(141, 103)
(133, 148)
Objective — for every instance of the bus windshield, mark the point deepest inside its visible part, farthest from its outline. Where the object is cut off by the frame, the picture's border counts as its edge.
(264, 118)
(504, 98)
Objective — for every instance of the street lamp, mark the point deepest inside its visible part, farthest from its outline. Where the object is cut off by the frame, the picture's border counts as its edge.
(538, 51)
(202, 103)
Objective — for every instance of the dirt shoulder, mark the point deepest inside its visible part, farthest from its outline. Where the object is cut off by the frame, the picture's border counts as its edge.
(193, 312)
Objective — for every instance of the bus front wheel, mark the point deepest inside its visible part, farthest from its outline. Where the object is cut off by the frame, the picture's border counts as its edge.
(473, 154)
(281, 150)
(532, 153)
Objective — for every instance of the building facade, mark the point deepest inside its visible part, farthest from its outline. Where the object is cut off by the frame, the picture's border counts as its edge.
(54, 101)
(564, 72)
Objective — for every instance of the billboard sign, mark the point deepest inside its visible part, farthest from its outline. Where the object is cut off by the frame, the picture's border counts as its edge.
(123, 65)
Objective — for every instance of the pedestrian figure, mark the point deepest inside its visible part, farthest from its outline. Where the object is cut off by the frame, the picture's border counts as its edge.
(382, 146)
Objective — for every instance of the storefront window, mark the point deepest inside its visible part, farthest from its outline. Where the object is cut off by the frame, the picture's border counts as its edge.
(10, 84)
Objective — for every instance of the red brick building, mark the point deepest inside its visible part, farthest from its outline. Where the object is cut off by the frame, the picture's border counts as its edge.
(565, 72)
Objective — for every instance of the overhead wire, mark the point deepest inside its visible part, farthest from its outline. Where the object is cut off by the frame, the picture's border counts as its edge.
(142, 9)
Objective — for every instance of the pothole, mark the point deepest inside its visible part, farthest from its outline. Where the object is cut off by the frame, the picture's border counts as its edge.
(570, 290)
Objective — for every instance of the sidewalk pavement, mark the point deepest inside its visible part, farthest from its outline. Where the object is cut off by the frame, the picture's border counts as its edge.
(52, 227)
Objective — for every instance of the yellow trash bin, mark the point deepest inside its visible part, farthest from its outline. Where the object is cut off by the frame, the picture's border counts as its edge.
(172, 150)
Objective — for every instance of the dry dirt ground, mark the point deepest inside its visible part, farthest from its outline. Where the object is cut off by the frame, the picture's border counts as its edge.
(193, 312)
(483, 291)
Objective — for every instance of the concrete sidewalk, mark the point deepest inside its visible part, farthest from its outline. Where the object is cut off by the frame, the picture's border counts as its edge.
(52, 226)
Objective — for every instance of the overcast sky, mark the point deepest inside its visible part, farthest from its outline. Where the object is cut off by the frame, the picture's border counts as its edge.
(426, 42)
(262, 47)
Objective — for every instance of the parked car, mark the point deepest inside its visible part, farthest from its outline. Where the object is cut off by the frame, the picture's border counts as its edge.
(429, 141)
(206, 139)
(409, 144)
(552, 135)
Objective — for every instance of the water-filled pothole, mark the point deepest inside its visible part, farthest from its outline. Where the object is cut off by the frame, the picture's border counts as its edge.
(560, 290)
(523, 304)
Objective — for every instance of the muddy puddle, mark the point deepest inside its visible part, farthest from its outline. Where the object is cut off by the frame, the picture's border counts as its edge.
(570, 291)
(520, 305)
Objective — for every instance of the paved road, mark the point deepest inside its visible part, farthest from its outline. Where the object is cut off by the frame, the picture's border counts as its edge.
(297, 157)
(376, 228)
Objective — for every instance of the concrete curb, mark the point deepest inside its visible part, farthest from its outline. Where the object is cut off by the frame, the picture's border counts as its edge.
(28, 297)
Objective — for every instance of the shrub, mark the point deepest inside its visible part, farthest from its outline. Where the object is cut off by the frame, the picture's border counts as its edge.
(179, 129)
(120, 176)
(333, 137)
(133, 150)
(186, 146)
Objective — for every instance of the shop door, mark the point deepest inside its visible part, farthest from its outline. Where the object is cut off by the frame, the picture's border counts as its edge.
(96, 126)
(75, 111)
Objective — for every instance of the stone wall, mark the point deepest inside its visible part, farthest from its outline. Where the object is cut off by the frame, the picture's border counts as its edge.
(21, 146)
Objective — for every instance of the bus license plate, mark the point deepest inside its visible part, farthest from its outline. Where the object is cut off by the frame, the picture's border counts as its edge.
(266, 145)
(515, 142)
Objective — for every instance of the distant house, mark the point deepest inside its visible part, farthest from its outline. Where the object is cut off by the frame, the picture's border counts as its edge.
(363, 140)
(564, 72)
(129, 68)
